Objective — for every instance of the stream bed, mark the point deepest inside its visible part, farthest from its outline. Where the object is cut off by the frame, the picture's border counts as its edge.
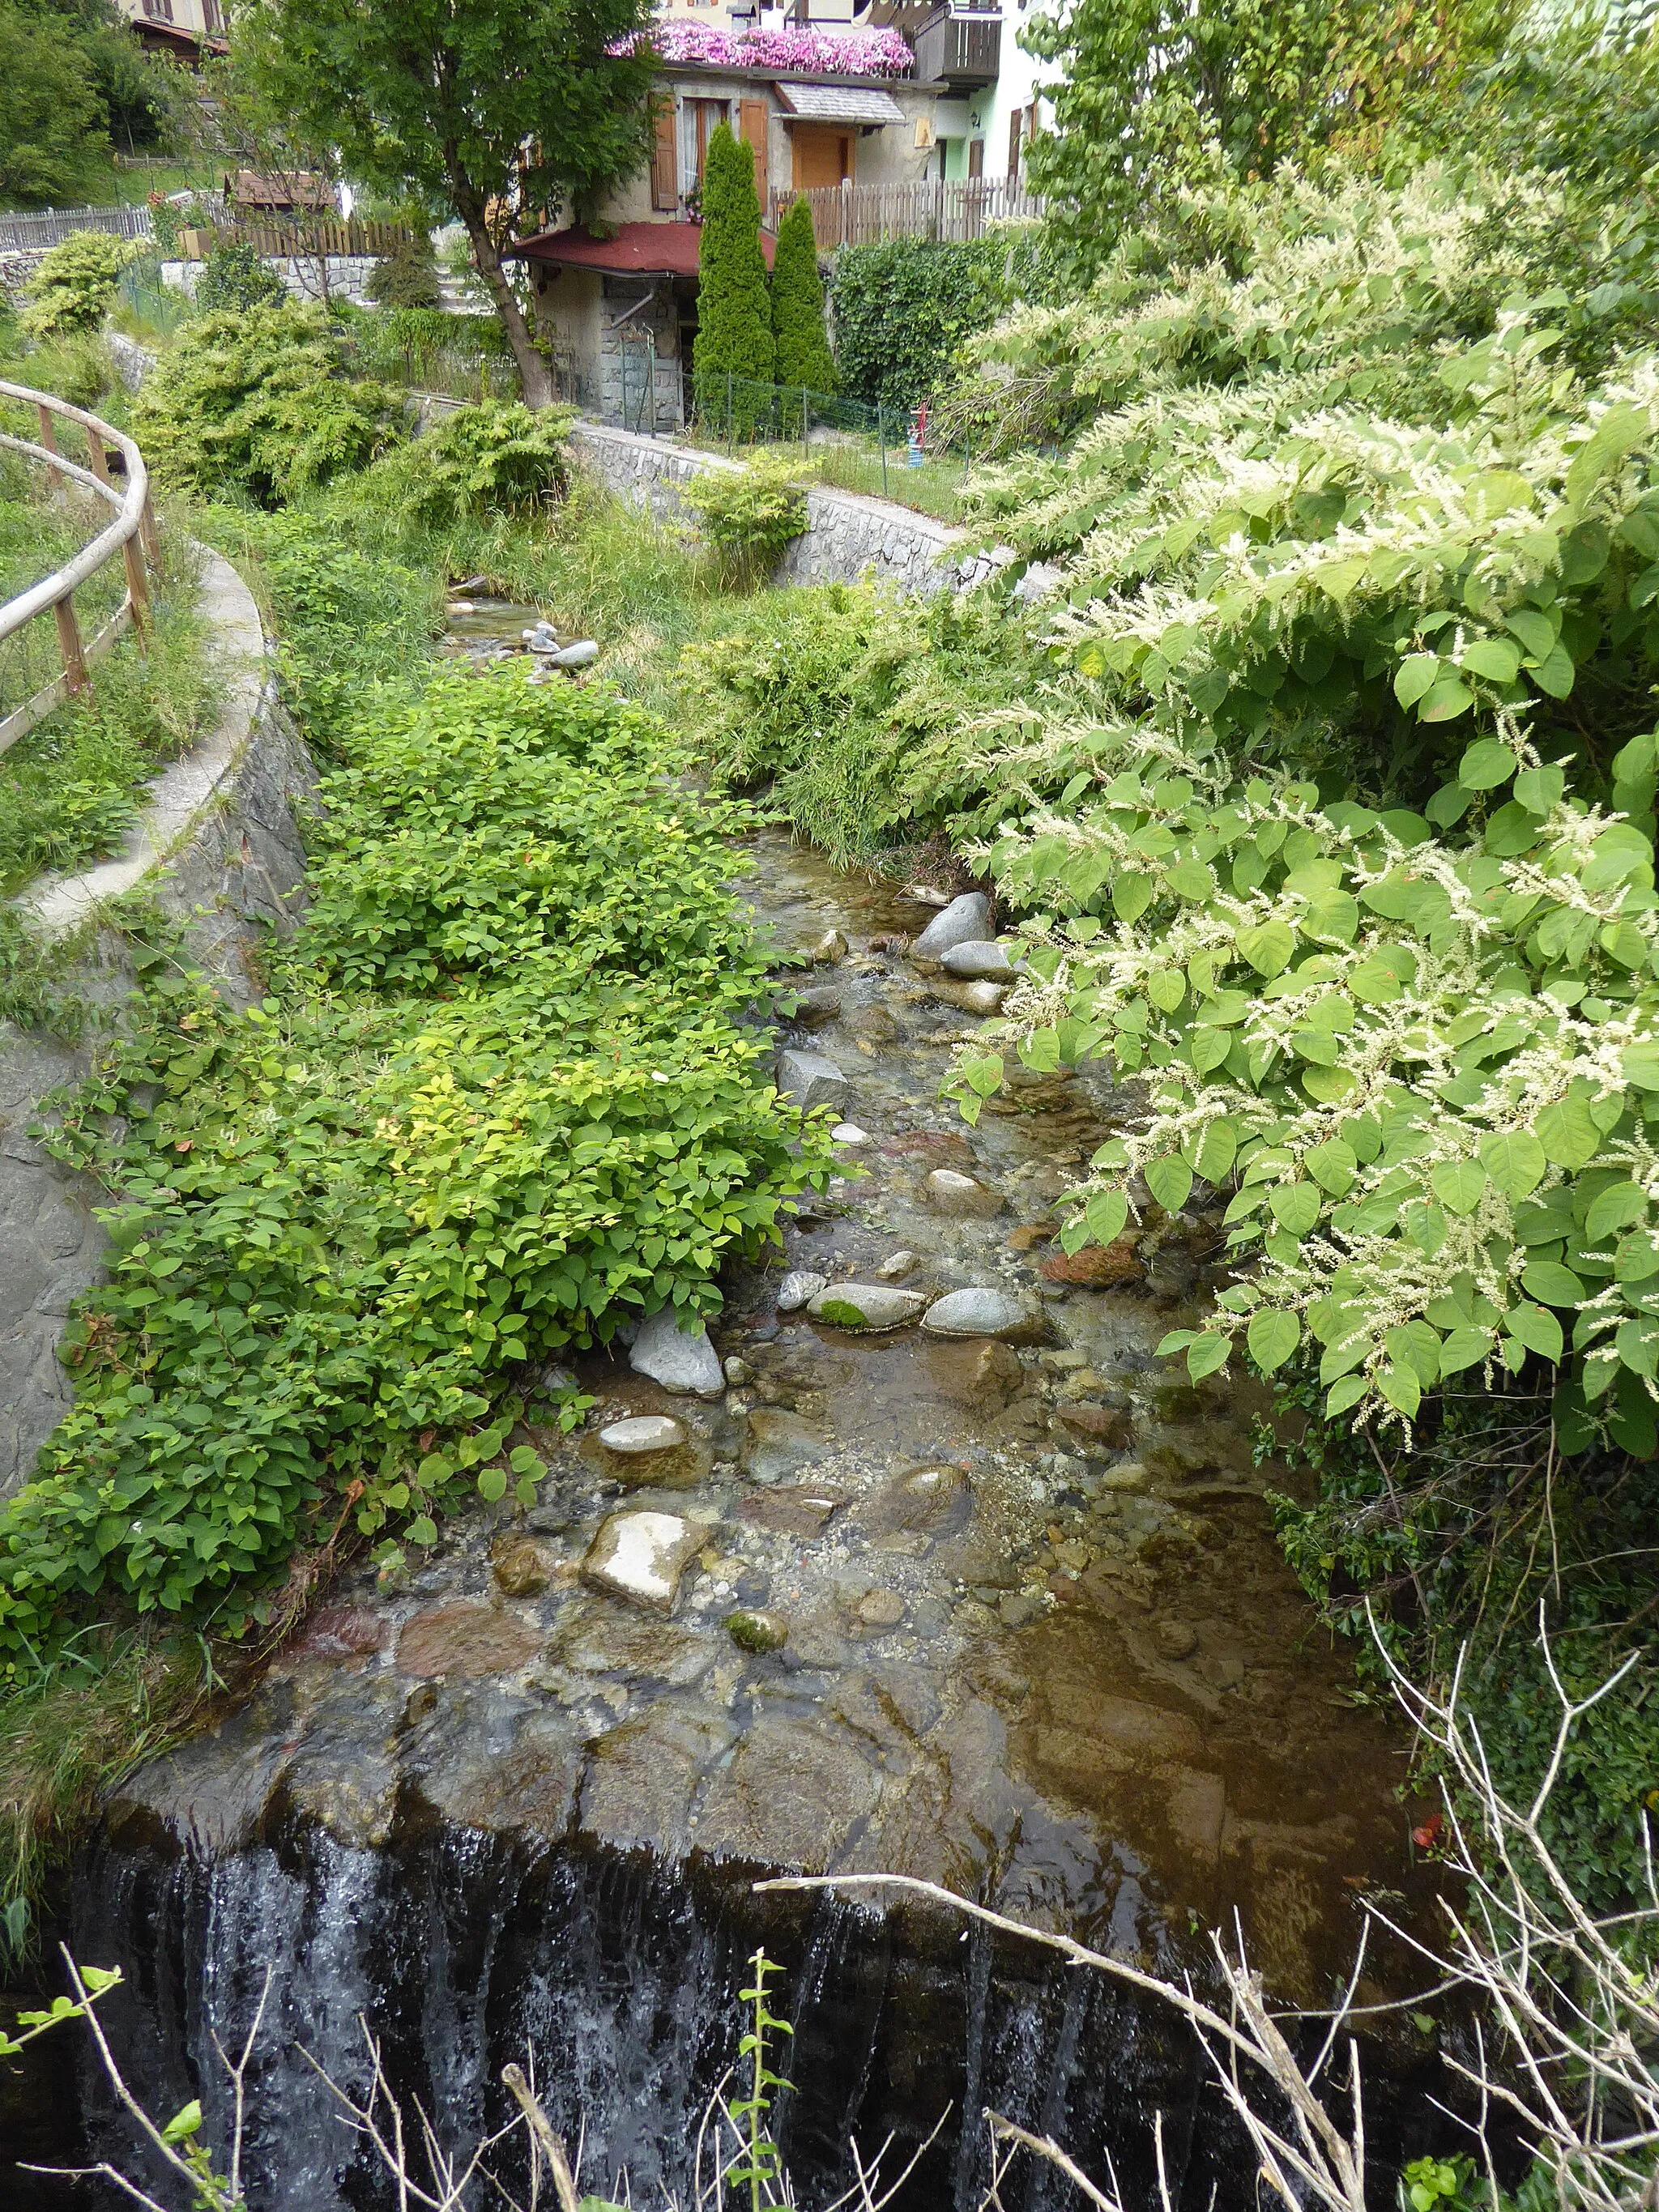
(1026, 1632)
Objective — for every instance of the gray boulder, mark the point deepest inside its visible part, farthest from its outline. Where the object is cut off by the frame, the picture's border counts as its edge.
(679, 1360)
(978, 960)
(966, 921)
(582, 655)
(797, 1287)
(810, 1080)
(865, 1306)
(981, 1311)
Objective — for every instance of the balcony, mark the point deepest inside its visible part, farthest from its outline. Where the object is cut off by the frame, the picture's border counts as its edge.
(960, 45)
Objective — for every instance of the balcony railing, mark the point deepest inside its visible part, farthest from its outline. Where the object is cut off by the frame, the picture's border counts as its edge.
(958, 46)
(862, 215)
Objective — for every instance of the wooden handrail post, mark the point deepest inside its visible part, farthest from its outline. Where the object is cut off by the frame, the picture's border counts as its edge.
(69, 645)
(149, 534)
(49, 439)
(137, 587)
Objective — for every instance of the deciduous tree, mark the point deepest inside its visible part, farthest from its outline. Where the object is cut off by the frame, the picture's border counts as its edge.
(492, 111)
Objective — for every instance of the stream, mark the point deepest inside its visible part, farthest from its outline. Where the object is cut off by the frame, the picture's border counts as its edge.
(1021, 1627)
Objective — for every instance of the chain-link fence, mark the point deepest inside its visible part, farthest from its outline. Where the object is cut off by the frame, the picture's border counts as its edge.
(885, 452)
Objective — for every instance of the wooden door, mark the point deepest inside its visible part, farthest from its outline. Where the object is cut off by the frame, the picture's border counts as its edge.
(754, 118)
(821, 156)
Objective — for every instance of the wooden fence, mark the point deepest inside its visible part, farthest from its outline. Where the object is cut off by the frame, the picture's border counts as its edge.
(275, 239)
(861, 214)
(29, 234)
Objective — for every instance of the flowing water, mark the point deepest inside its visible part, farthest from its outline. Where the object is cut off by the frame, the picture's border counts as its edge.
(1041, 1647)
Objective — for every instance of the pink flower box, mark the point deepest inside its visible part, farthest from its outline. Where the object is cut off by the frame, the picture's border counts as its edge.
(825, 53)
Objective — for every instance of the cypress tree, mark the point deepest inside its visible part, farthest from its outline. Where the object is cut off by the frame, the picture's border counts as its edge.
(803, 348)
(734, 313)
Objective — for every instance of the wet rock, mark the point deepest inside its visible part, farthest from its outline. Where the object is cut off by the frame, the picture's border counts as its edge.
(932, 1501)
(799, 1509)
(1175, 1639)
(641, 1556)
(607, 1639)
(582, 655)
(809, 1078)
(815, 1007)
(644, 1433)
(880, 1609)
(473, 1641)
(780, 1443)
(1106, 1426)
(737, 1372)
(966, 921)
(896, 1266)
(678, 1359)
(981, 1311)
(960, 1197)
(1030, 1234)
(874, 1024)
(848, 1132)
(757, 1631)
(1129, 1475)
(830, 948)
(1020, 1608)
(978, 960)
(799, 1287)
(339, 1632)
(521, 1567)
(1096, 1266)
(925, 895)
(982, 1374)
(866, 1306)
(793, 1793)
(973, 997)
(642, 1776)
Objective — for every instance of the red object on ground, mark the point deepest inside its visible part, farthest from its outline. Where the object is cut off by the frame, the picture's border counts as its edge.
(1429, 1834)
(646, 249)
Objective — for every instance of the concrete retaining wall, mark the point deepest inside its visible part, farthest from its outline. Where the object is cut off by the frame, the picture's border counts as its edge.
(219, 846)
(846, 536)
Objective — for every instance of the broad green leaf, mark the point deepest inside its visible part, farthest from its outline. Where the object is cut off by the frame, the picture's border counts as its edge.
(1494, 658)
(1554, 673)
(1206, 1352)
(1445, 700)
(1339, 578)
(1295, 1207)
(1636, 1259)
(1327, 1085)
(184, 2124)
(1268, 946)
(1415, 1345)
(1514, 1160)
(1458, 1184)
(1271, 1337)
(1539, 789)
(1400, 1387)
(1170, 1181)
(1212, 1153)
(1535, 631)
(1488, 762)
(1206, 1048)
(1347, 1391)
(1567, 1132)
(1414, 676)
(984, 1077)
(1106, 1215)
(1332, 1166)
(1464, 1347)
(1617, 1207)
(1535, 1327)
(1177, 1340)
(1166, 990)
(1132, 894)
(492, 1484)
(1552, 1285)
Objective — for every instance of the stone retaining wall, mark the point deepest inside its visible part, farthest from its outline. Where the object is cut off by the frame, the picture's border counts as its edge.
(846, 535)
(219, 845)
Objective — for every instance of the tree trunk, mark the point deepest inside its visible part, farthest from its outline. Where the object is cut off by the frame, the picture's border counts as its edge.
(534, 373)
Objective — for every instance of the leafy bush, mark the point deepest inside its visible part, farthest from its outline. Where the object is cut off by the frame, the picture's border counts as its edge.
(235, 276)
(408, 277)
(71, 290)
(749, 514)
(254, 402)
(487, 458)
(500, 1101)
(904, 306)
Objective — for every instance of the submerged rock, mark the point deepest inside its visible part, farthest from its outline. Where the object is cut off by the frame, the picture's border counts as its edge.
(966, 921)
(972, 998)
(816, 1006)
(680, 1359)
(1096, 1266)
(468, 1640)
(981, 1311)
(830, 948)
(979, 958)
(757, 1631)
(641, 1556)
(645, 1432)
(960, 1197)
(896, 1266)
(780, 1443)
(810, 1080)
(866, 1306)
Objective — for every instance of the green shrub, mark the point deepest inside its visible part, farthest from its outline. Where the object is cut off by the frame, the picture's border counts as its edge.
(253, 402)
(235, 276)
(903, 308)
(734, 310)
(71, 290)
(499, 1100)
(408, 277)
(801, 342)
(749, 514)
(489, 458)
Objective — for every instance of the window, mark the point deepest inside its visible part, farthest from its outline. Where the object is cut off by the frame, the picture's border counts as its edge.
(159, 11)
(213, 18)
(702, 119)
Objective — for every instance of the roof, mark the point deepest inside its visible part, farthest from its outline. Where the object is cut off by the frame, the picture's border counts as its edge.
(300, 188)
(829, 103)
(645, 249)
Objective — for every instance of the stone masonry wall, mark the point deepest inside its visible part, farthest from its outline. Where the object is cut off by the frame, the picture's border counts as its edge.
(220, 847)
(846, 535)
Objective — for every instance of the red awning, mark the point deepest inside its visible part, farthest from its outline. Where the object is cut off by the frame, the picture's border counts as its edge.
(643, 249)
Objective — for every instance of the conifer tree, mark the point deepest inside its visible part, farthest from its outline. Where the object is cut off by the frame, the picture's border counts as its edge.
(802, 346)
(734, 313)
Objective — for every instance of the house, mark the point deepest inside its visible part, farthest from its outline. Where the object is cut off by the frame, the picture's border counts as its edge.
(283, 191)
(820, 104)
(989, 107)
(185, 29)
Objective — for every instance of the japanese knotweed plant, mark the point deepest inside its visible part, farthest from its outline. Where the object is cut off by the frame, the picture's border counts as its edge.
(1431, 1072)
(499, 1100)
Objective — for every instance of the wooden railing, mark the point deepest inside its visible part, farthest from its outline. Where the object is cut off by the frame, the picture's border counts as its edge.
(861, 214)
(131, 534)
(26, 233)
(273, 239)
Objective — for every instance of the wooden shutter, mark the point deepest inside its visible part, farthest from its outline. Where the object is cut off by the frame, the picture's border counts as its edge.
(754, 121)
(1015, 133)
(664, 162)
(976, 157)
